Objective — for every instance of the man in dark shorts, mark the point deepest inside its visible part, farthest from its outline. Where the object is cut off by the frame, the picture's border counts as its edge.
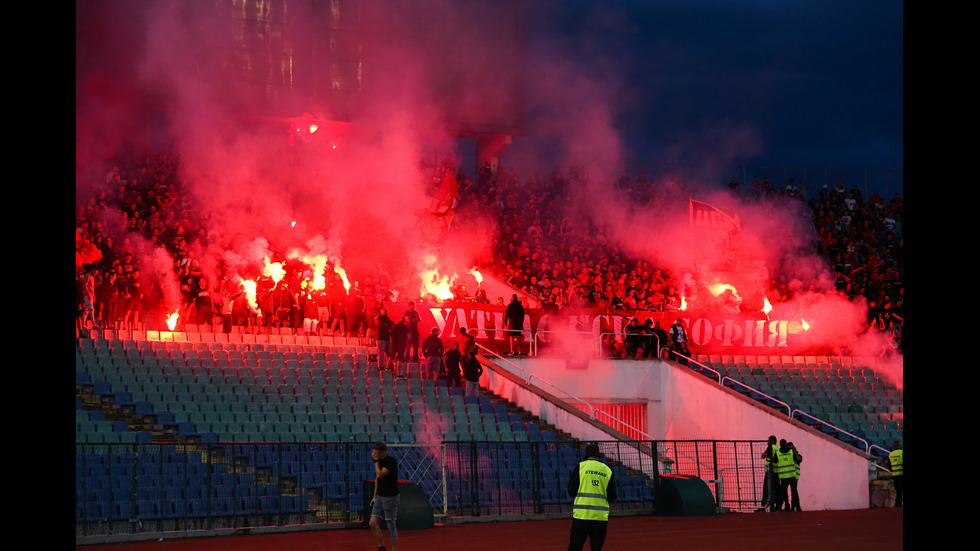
(384, 504)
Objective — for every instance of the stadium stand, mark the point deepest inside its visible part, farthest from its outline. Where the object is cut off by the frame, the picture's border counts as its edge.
(173, 435)
(843, 396)
(212, 434)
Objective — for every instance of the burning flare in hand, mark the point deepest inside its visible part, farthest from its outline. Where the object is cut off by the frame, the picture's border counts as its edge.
(172, 320)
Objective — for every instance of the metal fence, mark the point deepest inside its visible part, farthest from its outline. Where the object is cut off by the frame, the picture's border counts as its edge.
(733, 470)
(153, 488)
(531, 478)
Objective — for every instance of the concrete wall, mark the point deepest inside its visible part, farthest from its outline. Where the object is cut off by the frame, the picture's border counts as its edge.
(683, 405)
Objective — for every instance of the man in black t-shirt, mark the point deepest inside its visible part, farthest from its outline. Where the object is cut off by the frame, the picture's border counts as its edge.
(432, 349)
(472, 369)
(384, 326)
(413, 320)
(451, 364)
(384, 504)
(514, 321)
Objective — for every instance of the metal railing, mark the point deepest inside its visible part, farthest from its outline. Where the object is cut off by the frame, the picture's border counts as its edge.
(531, 341)
(537, 341)
(801, 413)
(756, 394)
(532, 478)
(791, 411)
(602, 337)
(528, 376)
(884, 452)
(144, 490)
(592, 411)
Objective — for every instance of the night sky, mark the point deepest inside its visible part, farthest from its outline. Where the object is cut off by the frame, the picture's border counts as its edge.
(643, 85)
(759, 83)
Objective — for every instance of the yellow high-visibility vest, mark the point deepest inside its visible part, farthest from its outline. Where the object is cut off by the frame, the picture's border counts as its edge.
(785, 465)
(773, 449)
(590, 500)
(895, 458)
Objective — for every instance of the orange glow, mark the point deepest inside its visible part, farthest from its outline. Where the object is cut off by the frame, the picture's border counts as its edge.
(248, 286)
(720, 288)
(313, 128)
(273, 270)
(435, 284)
(806, 326)
(476, 273)
(766, 306)
(317, 264)
(319, 282)
(172, 321)
(683, 303)
(293, 223)
(343, 275)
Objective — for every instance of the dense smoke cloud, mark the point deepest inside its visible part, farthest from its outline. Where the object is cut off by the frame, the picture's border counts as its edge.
(357, 189)
(172, 73)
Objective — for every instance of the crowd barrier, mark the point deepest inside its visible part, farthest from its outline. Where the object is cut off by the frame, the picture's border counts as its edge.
(134, 489)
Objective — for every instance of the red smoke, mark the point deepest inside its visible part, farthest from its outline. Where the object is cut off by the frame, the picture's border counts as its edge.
(173, 73)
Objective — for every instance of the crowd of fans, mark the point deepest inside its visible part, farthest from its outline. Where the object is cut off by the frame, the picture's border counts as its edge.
(864, 241)
(564, 260)
(139, 201)
(543, 249)
(544, 253)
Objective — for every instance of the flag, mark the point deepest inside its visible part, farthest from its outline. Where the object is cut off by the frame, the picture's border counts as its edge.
(718, 233)
(433, 225)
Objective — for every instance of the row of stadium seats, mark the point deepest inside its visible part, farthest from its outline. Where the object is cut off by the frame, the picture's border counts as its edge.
(270, 409)
(848, 393)
(285, 342)
(800, 362)
(348, 401)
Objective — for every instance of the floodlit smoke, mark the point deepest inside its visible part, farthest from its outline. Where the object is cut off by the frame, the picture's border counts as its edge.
(431, 428)
(160, 270)
(263, 185)
(351, 192)
(85, 251)
(559, 336)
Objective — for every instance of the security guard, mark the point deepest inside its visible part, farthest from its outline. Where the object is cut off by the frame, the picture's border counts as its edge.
(591, 484)
(784, 466)
(898, 472)
(795, 483)
(770, 484)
